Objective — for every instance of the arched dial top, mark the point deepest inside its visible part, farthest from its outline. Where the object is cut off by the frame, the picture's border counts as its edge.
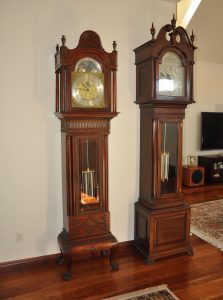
(171, 75)
(88, 84)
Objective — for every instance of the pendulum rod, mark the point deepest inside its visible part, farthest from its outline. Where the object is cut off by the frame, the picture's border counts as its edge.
(165, 157)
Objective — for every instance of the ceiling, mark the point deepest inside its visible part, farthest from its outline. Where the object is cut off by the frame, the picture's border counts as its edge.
(207, 24)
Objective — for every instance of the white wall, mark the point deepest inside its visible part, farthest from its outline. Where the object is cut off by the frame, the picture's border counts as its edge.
(30, 172)
(208, 84)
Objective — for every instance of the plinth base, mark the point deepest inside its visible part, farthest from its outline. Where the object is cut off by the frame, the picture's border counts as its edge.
(106, 245)
(162, 232)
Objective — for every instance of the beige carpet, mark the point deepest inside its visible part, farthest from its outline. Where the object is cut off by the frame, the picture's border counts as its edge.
(207, 222)
(160, 292)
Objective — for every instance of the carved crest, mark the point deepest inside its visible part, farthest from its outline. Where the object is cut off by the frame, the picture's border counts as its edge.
(89, 39)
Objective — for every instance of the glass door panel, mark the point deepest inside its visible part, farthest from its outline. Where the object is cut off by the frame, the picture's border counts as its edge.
(169, 157)
(171, 75)
(89, 174)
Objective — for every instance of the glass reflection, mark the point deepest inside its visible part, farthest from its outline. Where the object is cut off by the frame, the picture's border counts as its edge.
(89, 175)
(171, 75)
(169, 157)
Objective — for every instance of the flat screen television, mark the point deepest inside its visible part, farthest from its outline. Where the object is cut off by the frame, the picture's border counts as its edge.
(211, 130)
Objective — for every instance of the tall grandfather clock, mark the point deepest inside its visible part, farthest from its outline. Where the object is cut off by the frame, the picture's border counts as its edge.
(85, 104)
(164, 88)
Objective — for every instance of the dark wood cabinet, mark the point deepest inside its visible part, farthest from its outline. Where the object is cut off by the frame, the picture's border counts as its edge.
(85, 104)
(164, 79)
(213, 168)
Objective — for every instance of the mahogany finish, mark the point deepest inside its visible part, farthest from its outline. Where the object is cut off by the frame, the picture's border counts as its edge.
(86, 225)
(65, 61)
(189, 277)
(149, 56)
(162, 217)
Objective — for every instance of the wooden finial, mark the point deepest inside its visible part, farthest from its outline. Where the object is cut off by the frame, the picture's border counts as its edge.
(63, 40)
(57, 48)
(114, 45)
(192, 37)
(173, 22)
(152, 30)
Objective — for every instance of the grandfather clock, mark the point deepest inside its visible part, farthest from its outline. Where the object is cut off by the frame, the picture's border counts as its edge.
(85, 104)
(164, 88)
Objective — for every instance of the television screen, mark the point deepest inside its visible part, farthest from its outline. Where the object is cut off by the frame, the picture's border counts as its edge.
(211, 130)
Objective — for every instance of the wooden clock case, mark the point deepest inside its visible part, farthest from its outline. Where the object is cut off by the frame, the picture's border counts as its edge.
(86, 228)
(162, 218)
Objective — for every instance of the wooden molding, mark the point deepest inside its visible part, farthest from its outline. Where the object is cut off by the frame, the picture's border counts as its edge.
(123, 249)
(28, 261)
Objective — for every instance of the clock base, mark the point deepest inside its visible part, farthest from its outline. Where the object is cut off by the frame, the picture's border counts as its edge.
(105, 245)
(162, 232)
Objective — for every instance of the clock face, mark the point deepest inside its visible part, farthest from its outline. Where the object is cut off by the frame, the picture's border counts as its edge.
(88, 84)
(171, 76)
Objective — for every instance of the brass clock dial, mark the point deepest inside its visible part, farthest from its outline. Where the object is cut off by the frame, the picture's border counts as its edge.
(88, 84)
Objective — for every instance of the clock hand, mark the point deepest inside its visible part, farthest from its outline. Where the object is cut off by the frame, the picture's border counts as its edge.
(83, 87)
(87, 85)
(80, 89)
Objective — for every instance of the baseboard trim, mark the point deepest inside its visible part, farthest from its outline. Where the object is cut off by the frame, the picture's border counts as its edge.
(28, 261)
(123, 249)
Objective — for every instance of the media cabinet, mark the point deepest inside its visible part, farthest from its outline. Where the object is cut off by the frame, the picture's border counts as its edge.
(213, 168)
